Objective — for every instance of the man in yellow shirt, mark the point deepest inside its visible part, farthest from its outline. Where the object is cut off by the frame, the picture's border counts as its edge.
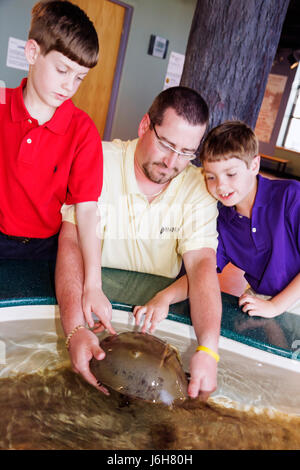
(155, 212)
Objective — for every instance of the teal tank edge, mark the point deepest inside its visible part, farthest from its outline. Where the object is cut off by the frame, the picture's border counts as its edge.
(32, 283)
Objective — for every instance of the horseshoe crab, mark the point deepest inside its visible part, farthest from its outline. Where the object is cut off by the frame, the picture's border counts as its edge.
(143, 366)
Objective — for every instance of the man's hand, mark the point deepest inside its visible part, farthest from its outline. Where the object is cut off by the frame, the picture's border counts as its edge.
(82, 347)
(95, 301)
(203, 369)
(255, 306)
(155, 311)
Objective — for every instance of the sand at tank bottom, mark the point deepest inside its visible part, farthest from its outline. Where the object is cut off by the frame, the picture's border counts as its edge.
(57, 409)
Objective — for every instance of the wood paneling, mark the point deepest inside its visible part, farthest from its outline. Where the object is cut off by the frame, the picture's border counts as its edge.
(94, 93)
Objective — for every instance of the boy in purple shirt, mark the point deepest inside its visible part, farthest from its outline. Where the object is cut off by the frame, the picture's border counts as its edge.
(258, 226)
(259, 220)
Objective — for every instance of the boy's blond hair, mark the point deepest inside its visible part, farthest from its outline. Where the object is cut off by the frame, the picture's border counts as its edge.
(64, 27)
(232, 139)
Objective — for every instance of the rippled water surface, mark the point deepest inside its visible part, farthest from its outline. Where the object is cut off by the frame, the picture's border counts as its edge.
(56, 409)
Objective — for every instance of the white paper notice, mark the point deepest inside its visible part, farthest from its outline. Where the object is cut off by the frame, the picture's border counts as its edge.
(174, 70)
(16, 55)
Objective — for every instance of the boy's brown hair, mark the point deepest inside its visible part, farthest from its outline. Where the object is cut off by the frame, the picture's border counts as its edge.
(64, 27)
(232, 139)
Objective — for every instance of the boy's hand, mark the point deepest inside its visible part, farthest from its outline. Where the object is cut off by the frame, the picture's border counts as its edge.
(255, 306)
(155, 311)
(95, 301)
(83, 346)
(203, 369)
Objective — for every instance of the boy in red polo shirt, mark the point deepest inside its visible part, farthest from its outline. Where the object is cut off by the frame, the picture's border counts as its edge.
(50, 151)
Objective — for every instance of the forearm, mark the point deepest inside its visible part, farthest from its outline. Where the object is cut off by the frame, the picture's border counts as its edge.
(87, 219)
(94, 301)
(205, 301)
(69, 278)
(288, 296)
(205, 308)
(176, 292)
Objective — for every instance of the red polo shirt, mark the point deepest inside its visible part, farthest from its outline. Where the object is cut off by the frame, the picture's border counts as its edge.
(43, 167)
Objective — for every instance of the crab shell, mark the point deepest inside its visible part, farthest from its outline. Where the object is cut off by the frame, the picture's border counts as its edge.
(142, 366)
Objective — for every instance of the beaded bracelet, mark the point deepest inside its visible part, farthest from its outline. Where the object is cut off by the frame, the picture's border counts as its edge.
(209, 351)
(78, 327)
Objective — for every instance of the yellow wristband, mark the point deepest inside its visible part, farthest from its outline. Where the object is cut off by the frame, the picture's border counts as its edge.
(71, 334)
(209, 351)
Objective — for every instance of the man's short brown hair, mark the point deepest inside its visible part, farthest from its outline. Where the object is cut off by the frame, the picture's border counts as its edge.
(232, 139)
(186, 102)
(64, 27)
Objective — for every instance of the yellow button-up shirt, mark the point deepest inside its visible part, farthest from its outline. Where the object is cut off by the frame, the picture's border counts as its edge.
(150, 237)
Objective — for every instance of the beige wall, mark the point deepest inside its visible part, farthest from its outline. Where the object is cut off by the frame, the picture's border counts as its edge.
(143, 75)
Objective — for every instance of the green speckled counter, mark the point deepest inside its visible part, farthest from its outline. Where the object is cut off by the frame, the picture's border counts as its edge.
(32, 283)
(26, 283)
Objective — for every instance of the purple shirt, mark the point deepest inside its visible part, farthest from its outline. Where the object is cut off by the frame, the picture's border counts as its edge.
(267, 246)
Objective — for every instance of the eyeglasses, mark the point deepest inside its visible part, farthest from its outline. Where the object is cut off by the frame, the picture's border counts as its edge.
(167, 148)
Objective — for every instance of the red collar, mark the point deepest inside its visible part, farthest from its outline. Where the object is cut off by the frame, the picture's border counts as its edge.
(59, 121)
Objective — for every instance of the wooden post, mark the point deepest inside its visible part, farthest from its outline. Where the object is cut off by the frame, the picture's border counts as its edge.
(229, 55)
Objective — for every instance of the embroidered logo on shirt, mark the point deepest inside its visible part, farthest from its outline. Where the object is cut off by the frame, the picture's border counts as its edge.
(168, 229)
